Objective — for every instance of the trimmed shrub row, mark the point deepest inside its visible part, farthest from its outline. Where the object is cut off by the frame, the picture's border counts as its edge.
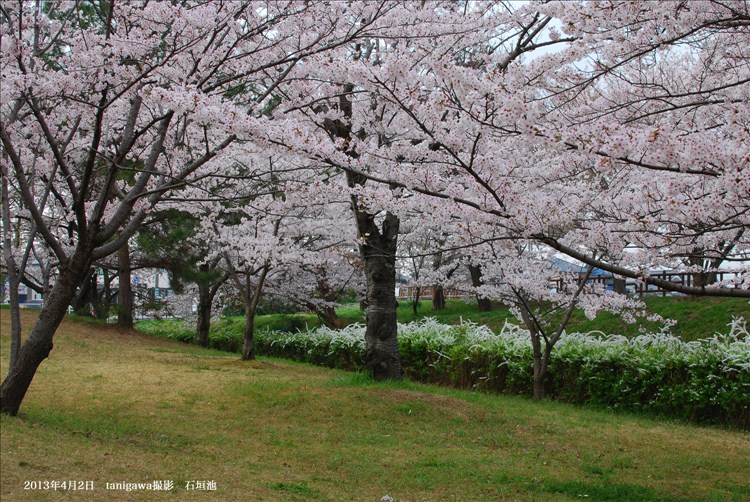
(706, 380)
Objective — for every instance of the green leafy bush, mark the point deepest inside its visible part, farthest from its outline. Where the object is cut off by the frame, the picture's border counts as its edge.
(171, 329)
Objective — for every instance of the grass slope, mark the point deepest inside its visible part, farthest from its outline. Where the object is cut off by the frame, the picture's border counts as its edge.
(112, 406)
(696, 317)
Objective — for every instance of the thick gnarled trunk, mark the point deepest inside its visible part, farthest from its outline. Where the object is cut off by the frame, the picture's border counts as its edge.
(378, 251)
(382, 355)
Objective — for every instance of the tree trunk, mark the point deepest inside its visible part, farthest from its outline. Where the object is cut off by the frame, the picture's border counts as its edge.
(382, 356)
(415, 299)
(540, 365)
(541, 360)
(619, 286)
(14, 275)
(86, 296)
(438, 298)
(248, 334)
(107, 292)
(125, 313)
(15, 318)
(378, 251)
(38, 345)
(540, 372)
(703, 279)
(484, 304)
(438, 292)
(204, 314)
(328, 317)
(698, 259)
(251, 306)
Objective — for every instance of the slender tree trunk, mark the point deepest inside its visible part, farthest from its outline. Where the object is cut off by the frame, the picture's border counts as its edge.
(248, 333)
(619, 286)
(107, 292)
(14, 275)
(39, 342)
(438, 292)
(125, 314)
(415, 300)
(327, 315)
(540, 366)
(484, 304)
(438, 298)
(85, 297)
(540, 359)
(204, 314)
(251, 306)
(702, 279)
(541, 363)
(15, 318)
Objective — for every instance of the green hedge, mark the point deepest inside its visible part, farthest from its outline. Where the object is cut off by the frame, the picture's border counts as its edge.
(706, 380)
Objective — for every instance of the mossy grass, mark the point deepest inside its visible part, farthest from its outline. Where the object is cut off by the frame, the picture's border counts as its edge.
(116, 406)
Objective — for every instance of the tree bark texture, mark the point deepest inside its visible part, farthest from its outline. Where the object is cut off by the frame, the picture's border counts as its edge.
(484, 304)
(248, 335)
(378, 250)
(14, 275)
(125, 313)
(415, 300)
(438, 298)
(540, 356)
(251, 307)
(204, 314)
(86, 297)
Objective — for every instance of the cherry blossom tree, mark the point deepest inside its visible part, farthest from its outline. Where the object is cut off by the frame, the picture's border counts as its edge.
(115, 104)
(626, 148)
(341, 122)
(613, 133)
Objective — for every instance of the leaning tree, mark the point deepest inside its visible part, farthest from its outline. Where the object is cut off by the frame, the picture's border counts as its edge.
(114, 104)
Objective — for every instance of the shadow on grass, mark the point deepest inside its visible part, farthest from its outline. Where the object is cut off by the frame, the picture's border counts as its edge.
(602, 491)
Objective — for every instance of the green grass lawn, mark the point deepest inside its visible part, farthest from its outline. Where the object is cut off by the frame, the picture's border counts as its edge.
(118, 406)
